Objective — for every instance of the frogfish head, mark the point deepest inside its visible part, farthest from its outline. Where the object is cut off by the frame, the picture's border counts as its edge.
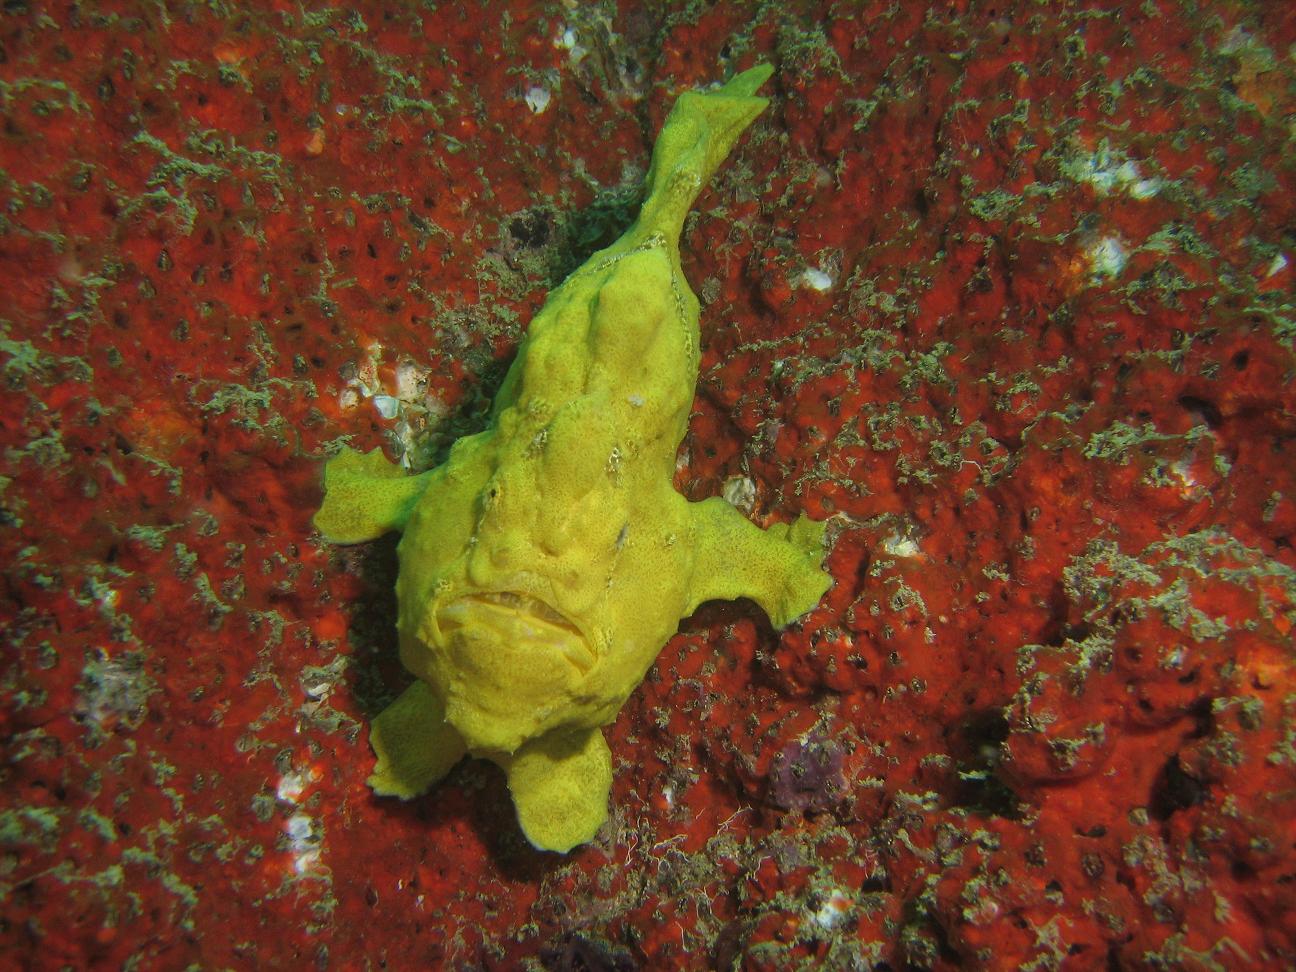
(508, 665)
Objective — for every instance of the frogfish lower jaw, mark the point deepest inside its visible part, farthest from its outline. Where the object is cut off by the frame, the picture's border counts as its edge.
(508, 664)
(525, 623)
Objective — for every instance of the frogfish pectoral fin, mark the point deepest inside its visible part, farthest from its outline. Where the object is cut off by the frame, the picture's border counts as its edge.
(414, 744)
(560, 784)
(365, 496)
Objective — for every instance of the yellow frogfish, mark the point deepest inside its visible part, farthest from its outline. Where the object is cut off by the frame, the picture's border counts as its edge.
(546, 563)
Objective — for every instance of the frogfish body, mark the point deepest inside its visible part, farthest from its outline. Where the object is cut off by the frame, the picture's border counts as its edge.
(545, 564)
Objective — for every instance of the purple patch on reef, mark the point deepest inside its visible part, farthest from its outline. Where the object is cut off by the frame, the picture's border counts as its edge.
(807, 775)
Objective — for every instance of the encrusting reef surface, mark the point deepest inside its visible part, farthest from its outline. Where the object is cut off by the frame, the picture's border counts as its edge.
(1000, 294)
